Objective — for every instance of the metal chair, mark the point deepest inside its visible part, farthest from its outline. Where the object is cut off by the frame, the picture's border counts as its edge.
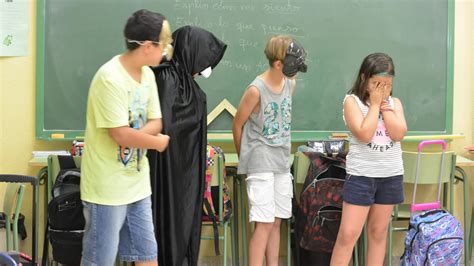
(16, 179)
(471, 237)
(218, 169)
(461, 176)
(12, 202)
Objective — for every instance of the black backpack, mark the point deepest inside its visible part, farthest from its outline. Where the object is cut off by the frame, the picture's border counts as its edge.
(320, 209)
(65, 217)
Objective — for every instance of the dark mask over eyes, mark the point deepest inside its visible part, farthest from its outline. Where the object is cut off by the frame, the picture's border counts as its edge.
(294, 60)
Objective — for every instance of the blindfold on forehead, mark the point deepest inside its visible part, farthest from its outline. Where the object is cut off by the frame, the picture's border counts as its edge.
(384, 74)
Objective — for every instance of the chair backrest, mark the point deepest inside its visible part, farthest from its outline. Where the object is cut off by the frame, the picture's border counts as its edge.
(218, 170)
(12, 202)
(301, 164)
(430, 163)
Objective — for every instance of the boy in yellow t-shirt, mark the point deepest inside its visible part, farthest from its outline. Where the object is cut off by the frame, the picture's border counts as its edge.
(123, 120)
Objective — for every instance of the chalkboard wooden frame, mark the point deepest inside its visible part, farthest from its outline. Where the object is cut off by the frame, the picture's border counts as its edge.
(297, 135)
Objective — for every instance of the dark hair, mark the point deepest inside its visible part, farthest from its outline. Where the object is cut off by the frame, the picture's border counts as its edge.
(143, 25)
(373, 64)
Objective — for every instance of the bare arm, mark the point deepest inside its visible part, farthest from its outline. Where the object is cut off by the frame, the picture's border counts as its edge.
(363, 128)
(395, 121)
(152, 127)
(249, 101)
(126, 136)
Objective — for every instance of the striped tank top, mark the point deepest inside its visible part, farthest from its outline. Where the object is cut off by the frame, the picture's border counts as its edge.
(381, 157)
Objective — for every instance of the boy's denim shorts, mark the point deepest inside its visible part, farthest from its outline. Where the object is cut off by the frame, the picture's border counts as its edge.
(365, 191)
(126, 229)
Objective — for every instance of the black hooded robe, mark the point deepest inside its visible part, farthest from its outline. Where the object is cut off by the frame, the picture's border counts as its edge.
(178, 174)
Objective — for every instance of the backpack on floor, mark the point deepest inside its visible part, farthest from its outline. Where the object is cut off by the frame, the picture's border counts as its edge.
(320, 209)
(434, 237)
(211, 192)
(65, 214)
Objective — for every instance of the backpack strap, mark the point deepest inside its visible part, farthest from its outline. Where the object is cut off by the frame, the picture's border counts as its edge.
(66, 162)
(211, 215)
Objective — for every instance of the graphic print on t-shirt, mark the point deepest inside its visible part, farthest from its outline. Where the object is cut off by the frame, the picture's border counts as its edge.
(132, 157)
(277, 121)
(381, 140)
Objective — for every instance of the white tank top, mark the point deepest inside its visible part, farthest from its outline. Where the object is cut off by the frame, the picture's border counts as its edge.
(381, 157)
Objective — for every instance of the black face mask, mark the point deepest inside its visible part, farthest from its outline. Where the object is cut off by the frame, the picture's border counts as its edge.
(294, 60)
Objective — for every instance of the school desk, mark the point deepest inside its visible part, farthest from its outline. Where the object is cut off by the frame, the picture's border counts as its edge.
(231, 164)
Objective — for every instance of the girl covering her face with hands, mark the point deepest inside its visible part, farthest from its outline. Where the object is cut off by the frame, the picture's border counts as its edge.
(374, 181)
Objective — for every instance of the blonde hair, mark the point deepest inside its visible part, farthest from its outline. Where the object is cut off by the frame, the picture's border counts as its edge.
(166, 39)
(276, 48)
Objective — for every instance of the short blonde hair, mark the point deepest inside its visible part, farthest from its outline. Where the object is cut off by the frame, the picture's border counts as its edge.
(276, 48)
(166, 39)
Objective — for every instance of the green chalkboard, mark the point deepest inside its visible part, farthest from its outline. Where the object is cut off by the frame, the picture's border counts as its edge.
(76, 37)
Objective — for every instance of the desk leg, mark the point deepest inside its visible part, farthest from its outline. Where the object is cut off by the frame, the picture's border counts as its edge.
(35, 223)
(244, 221)
(235, 221)
(41, 174)
(467, 246)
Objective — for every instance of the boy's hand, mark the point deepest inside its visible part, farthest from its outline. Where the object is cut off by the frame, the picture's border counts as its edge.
(162, 142)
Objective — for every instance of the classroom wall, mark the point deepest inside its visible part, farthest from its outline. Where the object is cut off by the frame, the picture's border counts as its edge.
(17, 106)
(17, 123)
(463, 74)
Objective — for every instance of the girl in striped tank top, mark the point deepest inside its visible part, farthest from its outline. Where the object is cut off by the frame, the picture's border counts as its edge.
(374, 182)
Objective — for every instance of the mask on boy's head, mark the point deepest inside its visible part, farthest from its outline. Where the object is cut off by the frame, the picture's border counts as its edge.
(206, 72)
(294, 60)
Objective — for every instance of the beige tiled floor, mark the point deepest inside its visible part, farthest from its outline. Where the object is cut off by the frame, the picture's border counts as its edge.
(217, 261)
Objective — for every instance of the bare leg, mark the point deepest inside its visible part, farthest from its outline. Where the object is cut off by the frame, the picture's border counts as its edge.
(377, 227)
(352, 222)
(258, 243)
(273, 245)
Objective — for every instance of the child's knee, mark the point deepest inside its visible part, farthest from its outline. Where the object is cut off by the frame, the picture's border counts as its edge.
(377, 232)
(348, 235)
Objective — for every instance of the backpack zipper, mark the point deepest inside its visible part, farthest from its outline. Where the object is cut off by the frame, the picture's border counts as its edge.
(418, 230)
(313, 183)
(316, 219)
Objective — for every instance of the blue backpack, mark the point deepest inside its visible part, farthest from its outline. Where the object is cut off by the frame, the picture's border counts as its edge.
(435, 237)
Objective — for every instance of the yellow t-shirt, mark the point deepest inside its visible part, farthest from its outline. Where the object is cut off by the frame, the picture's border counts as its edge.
(110, 174)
